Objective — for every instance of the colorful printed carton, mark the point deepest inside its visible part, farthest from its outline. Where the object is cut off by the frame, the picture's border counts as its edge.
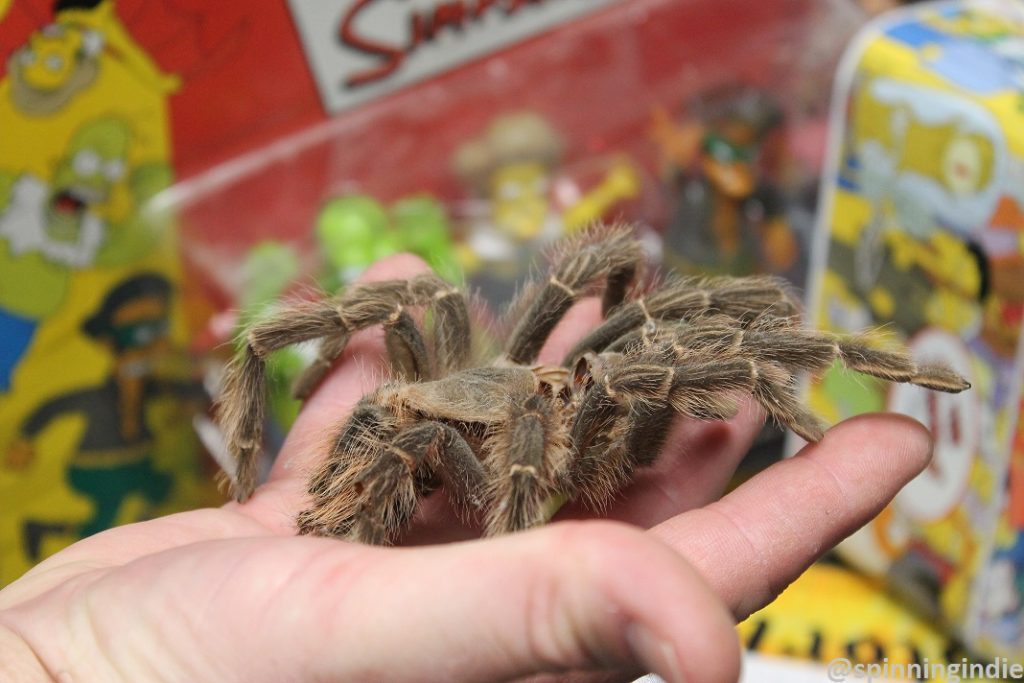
(96, 386)
(923, 233)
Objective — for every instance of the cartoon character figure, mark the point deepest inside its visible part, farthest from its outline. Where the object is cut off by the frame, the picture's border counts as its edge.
(113, 457)
(82, 66)
(63, 59)
(355, 231)
(84, 215)
(85, 145)
(522, 200)
(930, 164)
(59, 61)
(728, 216)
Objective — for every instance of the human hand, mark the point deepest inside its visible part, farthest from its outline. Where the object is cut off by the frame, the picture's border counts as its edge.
(231, 594)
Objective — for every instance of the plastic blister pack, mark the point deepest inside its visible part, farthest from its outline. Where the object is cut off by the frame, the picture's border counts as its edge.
(296, 144)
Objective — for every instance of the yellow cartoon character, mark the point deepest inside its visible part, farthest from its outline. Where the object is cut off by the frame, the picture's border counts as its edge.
(523, 202)
(929, 165)
(81, 67)
(65, 58)
(58, 62)
(86, 214)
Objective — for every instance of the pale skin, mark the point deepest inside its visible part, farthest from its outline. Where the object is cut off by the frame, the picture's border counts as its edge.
(231, 594)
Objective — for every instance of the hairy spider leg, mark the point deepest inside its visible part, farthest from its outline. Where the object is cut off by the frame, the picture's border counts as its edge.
(613, 256)
(452, 336)
(771, 384)
(681, 298)
(785, 342)
(799, 349)
(624, 415)
(527, 463)
(367, 493)
(407, 350)
(243, 403)
(328, 352)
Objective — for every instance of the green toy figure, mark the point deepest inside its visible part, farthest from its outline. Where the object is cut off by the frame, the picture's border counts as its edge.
(351, 233)
(355, 231)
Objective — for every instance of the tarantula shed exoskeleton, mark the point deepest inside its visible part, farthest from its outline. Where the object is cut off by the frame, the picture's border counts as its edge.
(510, 439)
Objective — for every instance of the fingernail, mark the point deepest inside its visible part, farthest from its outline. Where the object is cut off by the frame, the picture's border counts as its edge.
(655, 652)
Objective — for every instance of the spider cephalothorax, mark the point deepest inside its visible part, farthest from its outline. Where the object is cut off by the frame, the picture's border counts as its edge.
(511, 438)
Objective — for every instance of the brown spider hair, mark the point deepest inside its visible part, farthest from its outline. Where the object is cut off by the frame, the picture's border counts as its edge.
(511, 439)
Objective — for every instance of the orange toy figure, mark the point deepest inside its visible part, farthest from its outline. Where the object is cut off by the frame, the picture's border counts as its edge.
(728, 218)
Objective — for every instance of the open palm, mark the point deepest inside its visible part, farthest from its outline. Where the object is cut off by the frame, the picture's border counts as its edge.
(231, 594)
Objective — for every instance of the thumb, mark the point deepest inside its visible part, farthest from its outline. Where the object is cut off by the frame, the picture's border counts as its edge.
(569, 597)
(588, 596)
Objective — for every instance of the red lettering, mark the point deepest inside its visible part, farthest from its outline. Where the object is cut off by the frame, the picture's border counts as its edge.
(419, 30)
(423, 27)
(448, 14)
(348, 34)
(514, 6)
(482, 6)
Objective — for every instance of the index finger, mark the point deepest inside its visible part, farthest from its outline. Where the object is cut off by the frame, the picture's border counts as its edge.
(751, 544)
(358, 370)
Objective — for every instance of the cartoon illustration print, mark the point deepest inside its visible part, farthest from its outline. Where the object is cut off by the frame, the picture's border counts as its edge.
(59, 61)
(918, 242)
(64, 58)
(113, 457)
(977, 47)
(85, 214)
(84, 110)
(1002, 607)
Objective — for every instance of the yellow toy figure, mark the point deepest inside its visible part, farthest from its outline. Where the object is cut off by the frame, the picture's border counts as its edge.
(522, 201)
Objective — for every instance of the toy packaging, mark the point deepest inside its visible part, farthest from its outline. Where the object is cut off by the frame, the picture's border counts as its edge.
(170, 168)
(833, 612)
(833, 619)
(921, 232)
(502, 159)
(96, 382)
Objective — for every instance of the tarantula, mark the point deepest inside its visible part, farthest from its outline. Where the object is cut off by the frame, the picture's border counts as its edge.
(513, 438)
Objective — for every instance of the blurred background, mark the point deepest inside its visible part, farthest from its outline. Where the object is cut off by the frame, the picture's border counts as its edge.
(172, 169)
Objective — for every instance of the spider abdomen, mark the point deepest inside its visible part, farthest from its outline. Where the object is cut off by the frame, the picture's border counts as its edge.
(475, 395)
